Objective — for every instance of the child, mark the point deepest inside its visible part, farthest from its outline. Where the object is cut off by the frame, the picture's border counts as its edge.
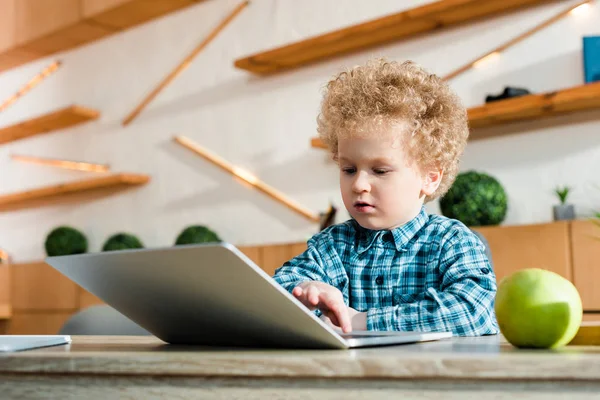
(397, 133)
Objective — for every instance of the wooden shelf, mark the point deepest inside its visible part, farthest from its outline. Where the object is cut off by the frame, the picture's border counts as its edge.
(531, 107)
(317, 143)
(34, 29)
(60, 119)
(376, 32)
(536, 106)
(77, 191)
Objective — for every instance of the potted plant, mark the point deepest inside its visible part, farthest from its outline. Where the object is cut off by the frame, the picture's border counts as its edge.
(196, 234)
(64, 241)
(122, 241)
(475, 199)
(564, 210)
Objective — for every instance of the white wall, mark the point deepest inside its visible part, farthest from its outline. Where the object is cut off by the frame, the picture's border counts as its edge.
(265, 124)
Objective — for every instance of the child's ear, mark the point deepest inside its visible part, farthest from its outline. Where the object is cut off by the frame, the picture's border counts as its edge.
(431, 181)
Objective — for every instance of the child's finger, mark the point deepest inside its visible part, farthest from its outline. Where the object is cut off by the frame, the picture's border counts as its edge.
(297, 291)
(332, 317)
(338, 308)
(312, 295)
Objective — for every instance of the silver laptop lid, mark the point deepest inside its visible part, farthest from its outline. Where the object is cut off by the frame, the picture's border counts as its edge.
(208, 294)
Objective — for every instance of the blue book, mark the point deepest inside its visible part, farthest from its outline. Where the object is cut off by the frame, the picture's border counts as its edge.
(591, 58)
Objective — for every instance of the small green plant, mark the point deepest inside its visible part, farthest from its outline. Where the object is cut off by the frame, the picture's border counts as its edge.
(562, 193)
(64, 241)
(122, 241)
(196, 234)
(475, 199)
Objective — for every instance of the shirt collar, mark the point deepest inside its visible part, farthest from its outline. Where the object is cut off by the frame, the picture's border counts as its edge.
(400, 235)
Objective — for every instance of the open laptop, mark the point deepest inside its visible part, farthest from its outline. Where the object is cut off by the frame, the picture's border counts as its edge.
(211, 294)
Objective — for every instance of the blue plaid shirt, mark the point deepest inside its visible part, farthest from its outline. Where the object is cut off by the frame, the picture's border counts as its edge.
(430, 274)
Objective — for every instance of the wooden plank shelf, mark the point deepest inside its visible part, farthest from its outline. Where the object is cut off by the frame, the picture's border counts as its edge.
(536, 106)
(524, 108)
(403, 25)
(43, 29)
(317, 143)
(77, 191)
(60, 119)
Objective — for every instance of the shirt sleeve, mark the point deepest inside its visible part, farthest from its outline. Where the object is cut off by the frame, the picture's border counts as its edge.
(308, 266)
(464, 304)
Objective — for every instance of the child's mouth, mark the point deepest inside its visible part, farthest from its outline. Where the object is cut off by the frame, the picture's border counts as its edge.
(362, 207)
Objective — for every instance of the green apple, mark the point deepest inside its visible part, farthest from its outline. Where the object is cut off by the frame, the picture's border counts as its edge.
(537, 308)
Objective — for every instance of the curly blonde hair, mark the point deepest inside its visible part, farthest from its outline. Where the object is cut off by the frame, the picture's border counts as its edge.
(387, 92)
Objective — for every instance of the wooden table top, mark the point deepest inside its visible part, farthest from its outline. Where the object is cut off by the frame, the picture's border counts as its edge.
(481, 358)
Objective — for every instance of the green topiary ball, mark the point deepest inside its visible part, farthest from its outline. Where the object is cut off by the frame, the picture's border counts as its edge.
(475, 199)
(122, 241)
(196, 234)
(64, 240)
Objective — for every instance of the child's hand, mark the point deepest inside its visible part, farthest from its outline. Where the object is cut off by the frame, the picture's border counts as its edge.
(326, 319)
(327, 299)
(358, 320)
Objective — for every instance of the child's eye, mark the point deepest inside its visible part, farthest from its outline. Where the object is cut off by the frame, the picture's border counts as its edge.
(379, 171)
(348, 170)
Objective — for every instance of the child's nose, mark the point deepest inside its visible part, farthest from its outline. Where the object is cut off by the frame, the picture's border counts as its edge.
(361, 183)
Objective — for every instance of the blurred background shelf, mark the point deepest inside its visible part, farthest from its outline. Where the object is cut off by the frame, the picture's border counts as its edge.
(379, 31)
(76, 191)
(60, 119)
(531, 107)
(33, 29)
(536, 106)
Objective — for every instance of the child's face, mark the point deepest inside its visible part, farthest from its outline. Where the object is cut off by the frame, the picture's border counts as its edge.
(380, 187)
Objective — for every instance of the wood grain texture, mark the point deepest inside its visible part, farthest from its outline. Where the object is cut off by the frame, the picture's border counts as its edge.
(402, 25)
(479, 359)
(43, 28)
(591, 316)
(35, 323)
(7, 24)
(73, 192)
(5, 295)
(588, 334)
(39, 287)
(585, 241)
(16, 56)
(517, 247)
(273, 256)
(36, 18)
(66, 38)
(124, 14)
(252, 252)
(59, 119)
(90, 8)
(158, 388)
(297, 248)
(534, 106)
